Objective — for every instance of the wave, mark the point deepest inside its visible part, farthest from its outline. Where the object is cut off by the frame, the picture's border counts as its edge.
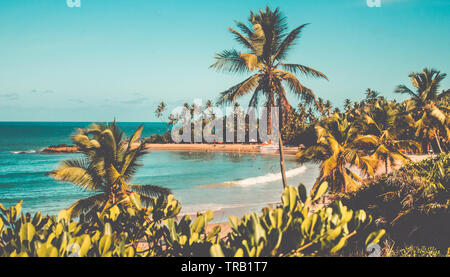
(193, 209)
(271, 177)
(25, 152)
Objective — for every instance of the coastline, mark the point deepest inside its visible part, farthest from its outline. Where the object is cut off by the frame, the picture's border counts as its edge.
(188, 147)
(225, 227)
(205, 147)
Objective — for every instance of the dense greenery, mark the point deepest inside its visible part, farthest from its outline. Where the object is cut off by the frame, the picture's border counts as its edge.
(292, 229)
(412, 204)
(367, 137)
(108, 165)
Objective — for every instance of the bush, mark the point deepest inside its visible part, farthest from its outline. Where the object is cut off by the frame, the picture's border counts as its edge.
(295, 229)
(412, 204)
(292, 229)
(155, 138)
(415, 251)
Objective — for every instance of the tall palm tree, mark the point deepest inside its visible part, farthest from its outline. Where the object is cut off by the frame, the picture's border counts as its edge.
(160, 109)
(385, 126)
(267, 43)
(338, 154)
(432, 118)
(108, 164)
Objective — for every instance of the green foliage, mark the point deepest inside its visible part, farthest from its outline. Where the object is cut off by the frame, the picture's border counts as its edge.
(292, 229)
(295, 229)
(108, 164)
(416, 251)
(155, 138)
(412, 204)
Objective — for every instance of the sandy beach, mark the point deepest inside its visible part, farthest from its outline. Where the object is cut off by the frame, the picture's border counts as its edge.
(194, 147)
(225, 226)
(203, 147)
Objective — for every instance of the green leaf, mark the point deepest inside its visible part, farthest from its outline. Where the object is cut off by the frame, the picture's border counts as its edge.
(302, 193)
(320, 191)
(47, 250)
(216, 251)
(375, 237)
(27, 232)
(239, 253)
(85, 245)
(339, 245)
(290, 197)
(105, 245)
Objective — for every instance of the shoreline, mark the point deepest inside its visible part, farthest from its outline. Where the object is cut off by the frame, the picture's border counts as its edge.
(229, 148)
(187, 147)
(225, 227)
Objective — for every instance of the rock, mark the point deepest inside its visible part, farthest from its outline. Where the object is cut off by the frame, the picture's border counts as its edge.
(61, 148)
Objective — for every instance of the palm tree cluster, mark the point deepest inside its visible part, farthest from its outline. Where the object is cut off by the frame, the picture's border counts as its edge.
(429, 107)
(108, 165)
(377, 133)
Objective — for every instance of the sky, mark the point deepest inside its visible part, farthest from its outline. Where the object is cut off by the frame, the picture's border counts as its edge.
(120, 58)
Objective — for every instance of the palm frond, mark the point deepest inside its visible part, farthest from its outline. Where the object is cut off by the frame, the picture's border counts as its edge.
(151, 190)
(288, 41)
(405, 90)
(80, 173)
(230, 61)
(87, 205)
(230, 95)
(131, 161)
(244, 41)
(307, 71)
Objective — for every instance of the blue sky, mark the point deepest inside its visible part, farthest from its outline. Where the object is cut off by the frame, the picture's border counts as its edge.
(119, 58)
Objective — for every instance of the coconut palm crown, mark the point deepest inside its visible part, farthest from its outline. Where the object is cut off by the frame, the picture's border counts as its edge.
(106, 168)
(267, 43)
(342, 161)
(425, 104)
(385, 126)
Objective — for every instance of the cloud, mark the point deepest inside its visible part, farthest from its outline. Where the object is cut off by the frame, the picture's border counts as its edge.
(79, 101)
(10, 96)
(139, 100)
(47, 91)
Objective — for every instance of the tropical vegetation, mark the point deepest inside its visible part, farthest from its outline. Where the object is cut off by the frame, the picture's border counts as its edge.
(291, 229)
(108, 165)
(267, 43)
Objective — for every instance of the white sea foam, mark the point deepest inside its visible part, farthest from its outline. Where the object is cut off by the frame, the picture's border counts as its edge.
(271, 177)
(24, 152)
(217, 208)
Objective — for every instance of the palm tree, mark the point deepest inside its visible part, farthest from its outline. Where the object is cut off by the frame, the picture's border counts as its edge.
(371, 96)
(337, 154)
(108, 165)
(432, 118)
(385, 127)
(347, 105)
(160, 109)
(267, 43)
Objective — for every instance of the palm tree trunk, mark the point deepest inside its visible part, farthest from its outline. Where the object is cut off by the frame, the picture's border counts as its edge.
(280, 143)
(436, 136)
(282, 166)
(386, 164)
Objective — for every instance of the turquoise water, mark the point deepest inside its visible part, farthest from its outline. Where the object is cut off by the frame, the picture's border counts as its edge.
(222, 182)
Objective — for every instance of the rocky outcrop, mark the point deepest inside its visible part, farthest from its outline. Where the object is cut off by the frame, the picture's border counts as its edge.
(61, 148)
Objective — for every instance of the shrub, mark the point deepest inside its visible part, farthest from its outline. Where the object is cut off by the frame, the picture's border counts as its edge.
(295, 229)
(292, 229)
(412, 204)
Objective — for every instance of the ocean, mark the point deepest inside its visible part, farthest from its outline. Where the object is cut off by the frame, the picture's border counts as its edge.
(226, 183)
